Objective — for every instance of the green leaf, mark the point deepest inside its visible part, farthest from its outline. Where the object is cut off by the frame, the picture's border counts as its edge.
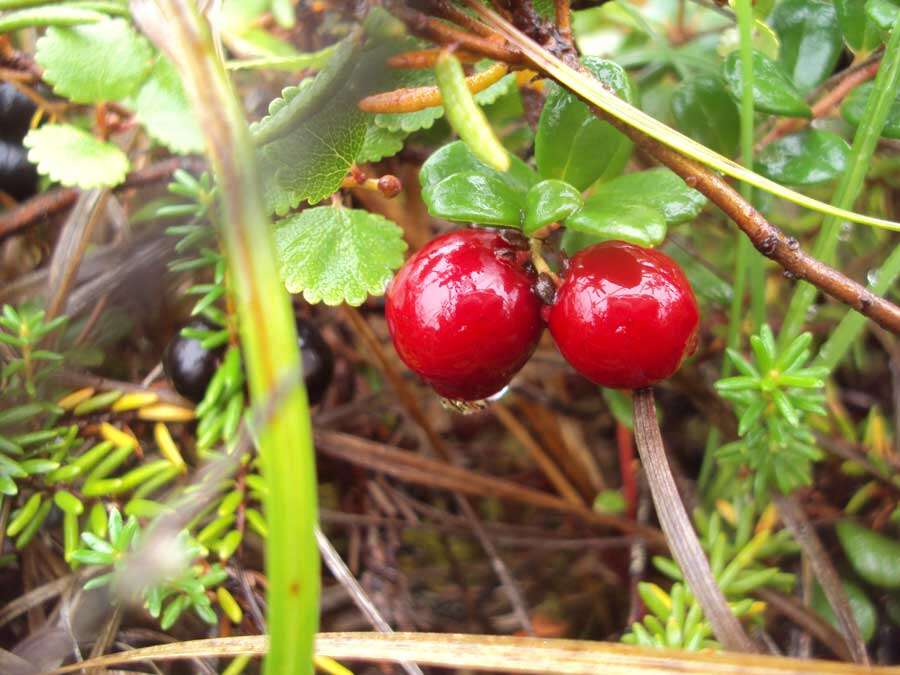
(805, 158)
(71, 156)
(380, 143)
(572, 144)
(634, 223)
(163, 109)
(475, 197)
(705, 111)
(854, 108)
(425, 119)
(862, 608)
(773, 90)
(550, 201)
(810, 40)
(874, 557)
(336, 255)
(860, 34)
(883, 13)
(458, 186)
(658, 188)
(104, 61)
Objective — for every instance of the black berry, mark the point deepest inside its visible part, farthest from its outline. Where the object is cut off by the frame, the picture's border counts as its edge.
(16, 111)
(318, 360)
(188, 365)
(18, 177)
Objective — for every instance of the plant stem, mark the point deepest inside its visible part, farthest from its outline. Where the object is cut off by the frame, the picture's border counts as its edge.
(676, 525)
(851, 182)
(850, 327)
(268, 334)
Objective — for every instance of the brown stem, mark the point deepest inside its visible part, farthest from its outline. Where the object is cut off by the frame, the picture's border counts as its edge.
(827, 576)
(564, 19)
(55, 201)
(676, 525)
(824, 105)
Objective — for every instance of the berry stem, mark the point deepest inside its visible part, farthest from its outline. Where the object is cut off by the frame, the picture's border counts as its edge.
(537, 257)
(679, 532)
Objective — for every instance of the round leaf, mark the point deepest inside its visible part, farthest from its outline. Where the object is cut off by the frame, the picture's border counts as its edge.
(860, 34)
(634, 223)
(74, 157)
(773, 90)
(804, 158)
(572, 144)
(706, 112)
(456, 158)
(874, 557)
(97, 62)
(810, 40)
(550, 201)
(883, 13)
(475, 197)
(334, 255)
(855, 107)
(163, 109)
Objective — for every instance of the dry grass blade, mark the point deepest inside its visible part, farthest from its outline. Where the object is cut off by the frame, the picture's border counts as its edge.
(826, 575)
(436, 473)
(501, 654)
(677, 527)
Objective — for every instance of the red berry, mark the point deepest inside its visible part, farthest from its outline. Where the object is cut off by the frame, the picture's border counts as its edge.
(625, 316)
(462, 314)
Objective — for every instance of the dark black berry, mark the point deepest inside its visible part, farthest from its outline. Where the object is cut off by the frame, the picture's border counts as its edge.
(16, 111)
(188, 365)
(318, 361)
(18, 177)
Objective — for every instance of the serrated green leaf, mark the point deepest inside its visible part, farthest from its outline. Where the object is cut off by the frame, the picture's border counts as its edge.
(810, 40)
(572, 144)
(380, 143)
(805, 158)
(335, 255)
(705, 111)
(74, 157)
(425, 119)
(105, 61)
(860, 34)
(854, 108)
(773, 90)
(550, 201)
(163, 109)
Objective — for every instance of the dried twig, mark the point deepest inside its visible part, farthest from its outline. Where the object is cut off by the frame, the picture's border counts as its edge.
(677, 527)
(826, 574)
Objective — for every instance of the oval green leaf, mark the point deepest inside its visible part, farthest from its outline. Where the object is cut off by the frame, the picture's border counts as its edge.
(883, 13)
(705, 111)
(773, 90)
(572, 144)
(805, 158)
(474, 197)
(456, 158)
(854, 108)
(873, 556)
(635, 223)
(658, 188)
(860, 34)
(550, 201)
(862, 608)
(810, 40)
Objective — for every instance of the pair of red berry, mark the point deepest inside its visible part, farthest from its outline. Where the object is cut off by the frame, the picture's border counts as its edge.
(464, 316)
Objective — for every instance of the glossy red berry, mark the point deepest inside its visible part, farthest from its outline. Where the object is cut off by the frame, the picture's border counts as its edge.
(463, 315)
(625, 316)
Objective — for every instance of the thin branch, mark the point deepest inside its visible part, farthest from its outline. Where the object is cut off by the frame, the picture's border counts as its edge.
(564, 19)
(827, 576)
(680, 534)
(50, 203)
